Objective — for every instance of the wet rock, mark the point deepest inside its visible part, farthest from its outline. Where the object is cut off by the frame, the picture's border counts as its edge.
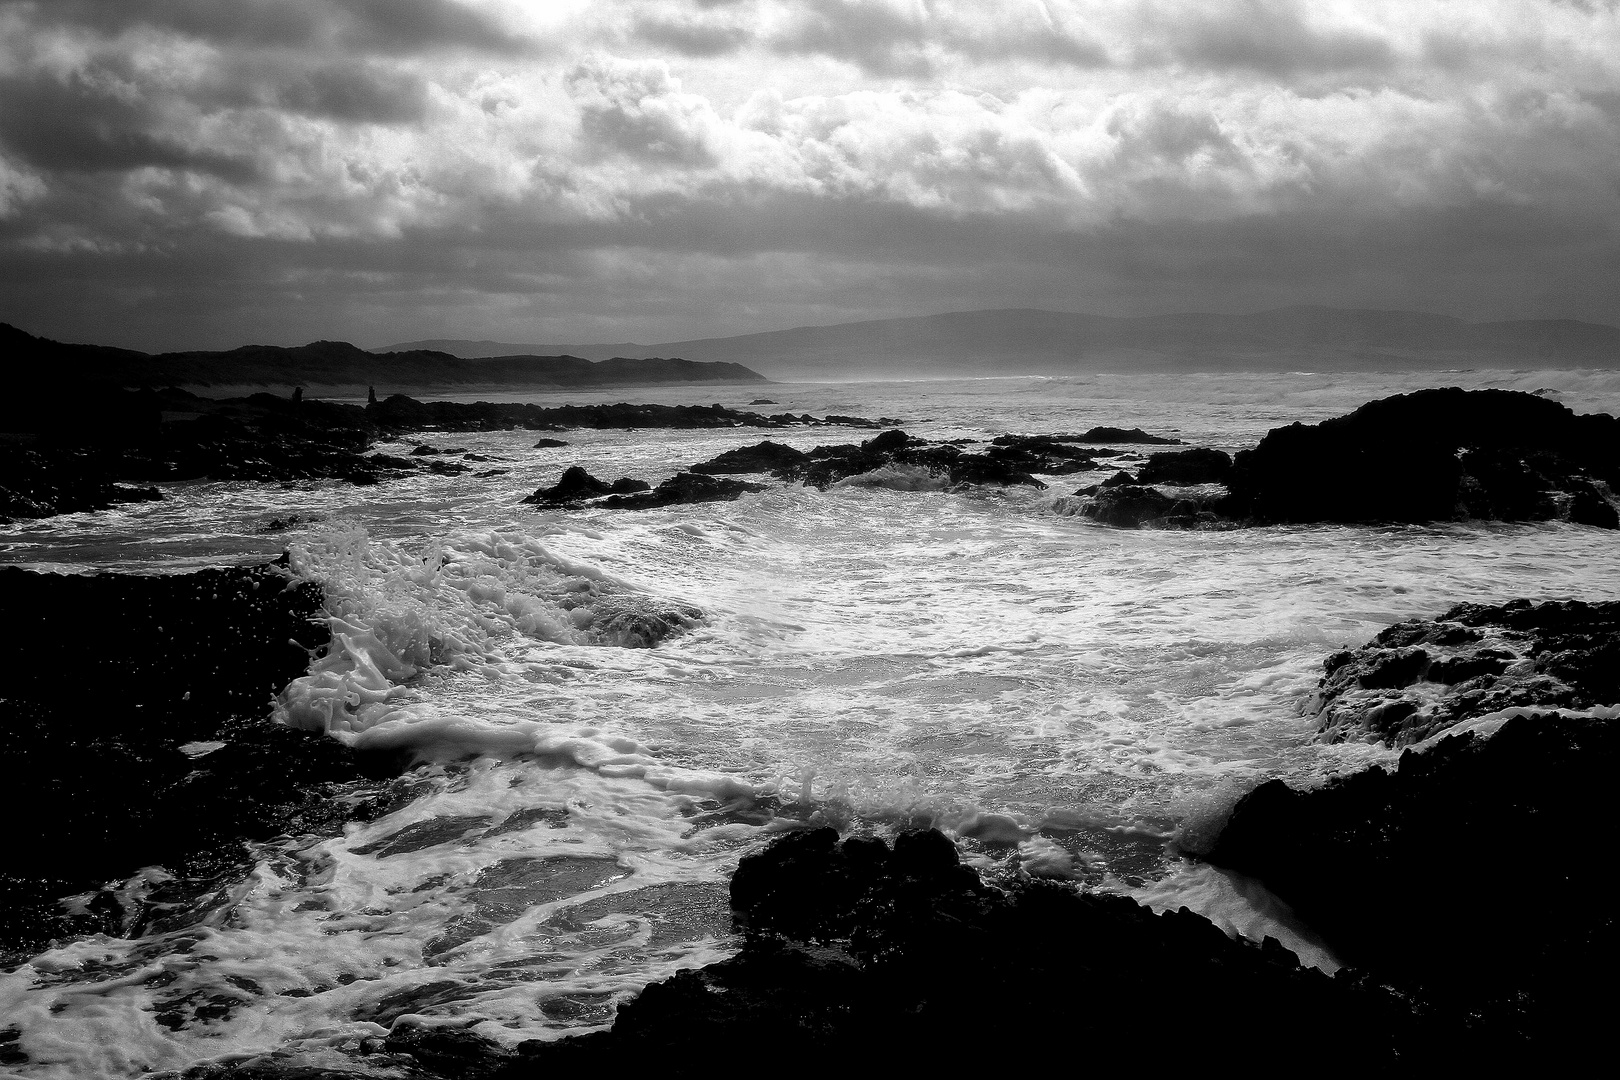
(1123, 435)
(1119, 479)
(1418, 678)
(761, 401)
(626, 485)
(1042, 454)
(762, 457)
(1462, 877)
(575, 486)
(856, 951)
(1436, 455)
(827, 465)
(1127, 507)
(686, 487)
(549, 444)
(1186, 467)
(399, 414)
(155, 746)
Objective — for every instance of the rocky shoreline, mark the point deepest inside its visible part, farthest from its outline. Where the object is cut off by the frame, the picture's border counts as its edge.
(139, 735)
(1457, 886)
(114, 446)
(1433, 455)
(1428, 456)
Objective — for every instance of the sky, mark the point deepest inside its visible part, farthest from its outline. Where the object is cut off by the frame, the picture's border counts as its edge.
(203, 174)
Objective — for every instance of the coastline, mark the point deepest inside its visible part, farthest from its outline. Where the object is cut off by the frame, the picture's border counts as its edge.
(848, 940)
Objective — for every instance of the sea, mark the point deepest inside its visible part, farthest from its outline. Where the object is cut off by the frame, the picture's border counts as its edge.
(1064, 699)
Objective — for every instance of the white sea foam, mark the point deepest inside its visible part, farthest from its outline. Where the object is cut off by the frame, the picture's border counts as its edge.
(1066, 699)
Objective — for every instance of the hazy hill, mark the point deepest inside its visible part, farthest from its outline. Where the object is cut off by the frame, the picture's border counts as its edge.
(337, 363)
(1028, 341)
(474, 350)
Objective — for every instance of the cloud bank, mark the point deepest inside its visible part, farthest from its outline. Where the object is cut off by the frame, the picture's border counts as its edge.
(183, 173)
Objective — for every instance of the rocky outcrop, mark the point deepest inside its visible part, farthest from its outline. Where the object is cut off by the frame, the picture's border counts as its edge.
(64, 463)
(859, 952)
(1120, 435)
(1186, 467)
(399, 414)
(1053, 455)
(1436, 455)
(762, 457)
(577, 486)
(1418, 678)
(686, 487)
(827, 465)
(138, 734)
(1466, 877)
(1125, 505)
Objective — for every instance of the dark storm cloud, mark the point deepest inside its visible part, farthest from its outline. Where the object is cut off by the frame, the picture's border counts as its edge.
(889, 39)
(1272, 37)
(353, 93)
(385, 26)
(76, 127)
(175, 177)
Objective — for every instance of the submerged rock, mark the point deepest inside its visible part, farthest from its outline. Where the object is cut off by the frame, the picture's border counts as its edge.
(1465, 877)
(1436, 455)
(1133, 507)
(1420, 677)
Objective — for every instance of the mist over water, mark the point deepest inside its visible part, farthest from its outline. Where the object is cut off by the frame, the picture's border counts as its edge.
(1063, 697)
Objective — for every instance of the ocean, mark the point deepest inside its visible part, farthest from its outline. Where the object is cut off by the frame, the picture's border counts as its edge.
(1065, 699)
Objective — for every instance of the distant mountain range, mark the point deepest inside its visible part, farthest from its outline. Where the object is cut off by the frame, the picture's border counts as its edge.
(38, 360)
(1028, 341)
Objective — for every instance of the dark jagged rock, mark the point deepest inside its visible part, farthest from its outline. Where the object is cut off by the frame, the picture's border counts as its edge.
(399, 414)
(626, 485)
(151, 743)
(826, 465)
(761, 401)
(1418, 678)
(89, 461)
(1121, 435)
(1119, 479)
(575, 486)
(1041, 454)
(1464, 877)
(1436, 455)
(686, 487)
(1128, 507)
(549, 444)
(856, 952)
(1197, 466)
(762, 457)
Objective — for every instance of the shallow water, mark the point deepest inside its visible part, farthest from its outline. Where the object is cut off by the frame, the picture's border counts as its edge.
(1061, 696)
